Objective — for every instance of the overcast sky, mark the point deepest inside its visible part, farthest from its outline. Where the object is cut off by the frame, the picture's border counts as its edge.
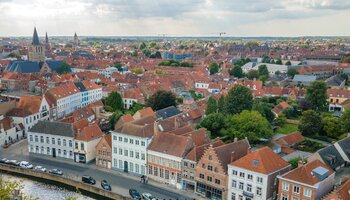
(175, 17)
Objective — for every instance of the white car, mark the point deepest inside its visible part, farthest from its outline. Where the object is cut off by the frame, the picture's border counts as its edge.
(147, 196)
(40, 168)
(26, 165)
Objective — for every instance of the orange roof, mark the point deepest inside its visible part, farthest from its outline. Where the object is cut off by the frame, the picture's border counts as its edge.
(263, 160)
(30, 103)
(290, 139)
(303, 173)
(145, 112)
(89, 133)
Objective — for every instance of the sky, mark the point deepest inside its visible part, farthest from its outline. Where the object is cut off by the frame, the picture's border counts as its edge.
(237, 18)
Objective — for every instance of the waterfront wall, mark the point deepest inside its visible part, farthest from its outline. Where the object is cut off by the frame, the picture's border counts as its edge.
(62, 180)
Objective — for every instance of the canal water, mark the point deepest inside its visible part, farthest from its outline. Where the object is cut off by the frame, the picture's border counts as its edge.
(44, 191)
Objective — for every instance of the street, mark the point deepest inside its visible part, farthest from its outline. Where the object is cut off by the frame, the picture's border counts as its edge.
(120, 182)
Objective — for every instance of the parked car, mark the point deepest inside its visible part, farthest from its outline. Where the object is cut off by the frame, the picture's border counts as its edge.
(88, 179)
(26, 165)
(12, 162)
(40, 168)
(147, 196)
(3, 160)
(56, 172)
(134, 194)
(105, 185)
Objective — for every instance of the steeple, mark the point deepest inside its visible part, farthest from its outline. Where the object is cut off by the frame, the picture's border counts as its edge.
(75, 34)
(35, 38)
(46, 39)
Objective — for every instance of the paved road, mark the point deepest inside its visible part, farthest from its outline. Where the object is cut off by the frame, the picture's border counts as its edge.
(120, 182)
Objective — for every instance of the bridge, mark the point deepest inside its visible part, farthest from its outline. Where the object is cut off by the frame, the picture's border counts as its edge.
(90, 190)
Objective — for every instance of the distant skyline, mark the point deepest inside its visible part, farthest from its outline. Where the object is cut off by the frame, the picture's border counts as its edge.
(237, 18)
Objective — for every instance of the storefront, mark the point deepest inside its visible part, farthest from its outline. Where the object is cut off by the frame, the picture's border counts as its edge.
(209, 191)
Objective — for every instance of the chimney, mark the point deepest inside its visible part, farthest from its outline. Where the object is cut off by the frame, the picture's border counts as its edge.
(232, 156)
(155, 127)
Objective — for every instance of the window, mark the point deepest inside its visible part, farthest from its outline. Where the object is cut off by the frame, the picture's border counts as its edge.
(59, 151)
(131, 141)
(115, 137)
(234, 184)
(217, 181)
(241, 174)
(209, 178)
(58, 141)
(285, 186)
(47, 140)
(258, 191)
(250, 177)
(53, 141)
(155, 171)
(137, 155)
(31, 138)
(150, 169)
(70, 143)
(143, 143)
(82, 146)
(210, 157)
(64, 142)
(125, 140)
(233, 196)
(210, 168)
(143, 156)
(126, 152)
(307, 192)
(296, 189)
(201, 176)
(249, 188)
(234, 172)
(120, 139)
(192, 165)
(137, 142)
(259, 180)
(203, 166)
(131, 154)
(185, 164)
(120, 151)
(36, 138)
(241, 186)
(64, 152)
(48, 150)
(284, 197)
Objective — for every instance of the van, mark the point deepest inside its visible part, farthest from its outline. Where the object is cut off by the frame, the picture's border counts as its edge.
(89, 180)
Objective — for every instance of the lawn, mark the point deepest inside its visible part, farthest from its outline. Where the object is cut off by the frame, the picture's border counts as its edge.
(287, 128)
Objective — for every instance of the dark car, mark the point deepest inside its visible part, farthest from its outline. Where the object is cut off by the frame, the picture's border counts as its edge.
(12, 162)
(105, 185)
(134, 194)
(56, 172)
(88, 179)
(3, 160)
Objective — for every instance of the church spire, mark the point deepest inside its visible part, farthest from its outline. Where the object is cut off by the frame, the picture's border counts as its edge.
(35, 38)
(46, 39)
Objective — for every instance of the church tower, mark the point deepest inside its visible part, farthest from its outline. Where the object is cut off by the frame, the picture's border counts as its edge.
(75, 41)
(36, 51)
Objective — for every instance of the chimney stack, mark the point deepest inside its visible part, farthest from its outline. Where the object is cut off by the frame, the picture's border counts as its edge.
(155, 127)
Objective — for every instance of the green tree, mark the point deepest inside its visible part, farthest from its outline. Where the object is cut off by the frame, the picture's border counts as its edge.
(345, 118)
(134, 108)
(196, 96)
(288, 63)
(146, 52)
(316, 96)
(250, 124)
(292, 72)
(221, 104)
(215, 123)
(212, 106)
(114, 118)
(161, 99)
(279, 62)
(64, 68)
(114, 100)
(252, 74)
(264, 109)
(213, 68)
(266, 59)
(346, 60)
(239, 98)
(310, 123)
(134, 53)
(332, 126)
(142, 46)
(262, 69)
(118, 66)
(236, 71)
(278, 73)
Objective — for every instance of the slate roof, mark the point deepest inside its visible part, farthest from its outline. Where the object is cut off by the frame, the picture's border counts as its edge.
(167, 112)
(331, 156)
(304, 78)
(345, 146)
(53, 128)
(32, 67)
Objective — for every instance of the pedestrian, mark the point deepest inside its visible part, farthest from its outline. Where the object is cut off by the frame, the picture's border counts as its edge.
(146, 179)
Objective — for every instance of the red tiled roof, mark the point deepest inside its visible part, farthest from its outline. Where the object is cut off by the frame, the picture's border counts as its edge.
(89, 133)
(290, 139)
(263, 160)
